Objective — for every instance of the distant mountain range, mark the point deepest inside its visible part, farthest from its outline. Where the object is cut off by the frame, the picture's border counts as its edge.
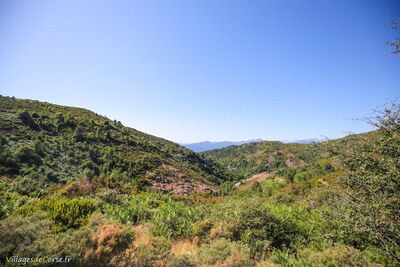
(304, 141)
(207, 145)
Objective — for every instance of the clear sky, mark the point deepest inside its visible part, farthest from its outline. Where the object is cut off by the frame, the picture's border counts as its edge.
(212, 70)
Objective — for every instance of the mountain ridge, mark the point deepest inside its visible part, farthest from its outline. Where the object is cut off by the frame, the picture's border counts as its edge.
(209, 145)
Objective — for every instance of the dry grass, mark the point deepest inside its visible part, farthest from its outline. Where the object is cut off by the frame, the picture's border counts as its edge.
(107, 242)
(261, 177)
(184, 247)
(142, 236)
(267, 264)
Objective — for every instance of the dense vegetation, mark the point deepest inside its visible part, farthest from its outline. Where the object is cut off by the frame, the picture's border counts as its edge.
(88, 188)
(284, 159)
(43, 144)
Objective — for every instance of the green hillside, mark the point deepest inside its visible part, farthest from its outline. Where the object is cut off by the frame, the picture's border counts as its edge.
(293, 162)
(267, 156)
(43, 144)
(77, 189)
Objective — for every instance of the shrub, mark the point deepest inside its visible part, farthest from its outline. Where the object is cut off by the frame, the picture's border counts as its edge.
(17, 232)
(202, 228)
(369, 213)
(335, 255)
(148, 250)
(221, 252)
(30, 185)
(226, 188)
(107, 242)
(10, 201)
(65, 213)
(27, 119)
(174, 219)
(79, 134)
(252, 222)
(215, 252)
(72, 243)
(26, 154)
(130, 210)
(8, 162)
(180, 261)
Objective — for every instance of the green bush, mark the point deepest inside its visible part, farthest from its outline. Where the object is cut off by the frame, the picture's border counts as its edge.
(72, 243)
(17, 232)
(368, 214)
(331, 256)
(8, 162)
(226, 188)
(150, 254)
(27, 119)
(65, 213)
(181, 261)
(254, 223)
(26, 154)
(174, 219)
(130, 210)
(263, 232)
(215, 252)
(10, 201)
(221, 252)
(79, 134)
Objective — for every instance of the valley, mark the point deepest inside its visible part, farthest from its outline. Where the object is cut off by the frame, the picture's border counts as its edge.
(74, 183)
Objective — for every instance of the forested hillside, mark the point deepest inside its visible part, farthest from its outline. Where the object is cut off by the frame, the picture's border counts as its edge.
(87, 191)
(309, 163)
(44, 144)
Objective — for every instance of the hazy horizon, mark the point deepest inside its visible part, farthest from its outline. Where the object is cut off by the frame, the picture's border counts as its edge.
(206, 70)
(210, 140)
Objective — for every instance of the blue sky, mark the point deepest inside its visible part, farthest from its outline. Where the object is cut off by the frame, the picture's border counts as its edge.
(212, 70)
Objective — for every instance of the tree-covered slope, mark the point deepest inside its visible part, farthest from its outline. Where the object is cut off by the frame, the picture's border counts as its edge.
(253, 158)
(42, 144)
(290, 161)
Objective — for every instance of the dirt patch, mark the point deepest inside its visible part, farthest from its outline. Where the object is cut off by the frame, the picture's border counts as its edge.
(261, 177)
(168, 179)
(183, 188)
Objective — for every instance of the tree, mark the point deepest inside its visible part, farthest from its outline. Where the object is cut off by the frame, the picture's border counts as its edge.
(290, 175)
(395, 43)
(373, 181)
(226, 188)
(256, 188)
(26, 154)
(27, 120)
(79, 134)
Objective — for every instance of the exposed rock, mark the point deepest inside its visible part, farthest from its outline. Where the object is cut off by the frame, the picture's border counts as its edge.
(231, 166)
(269, 160)
(322, 181)
(174, 182)
(183, 188)
(291, 161)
